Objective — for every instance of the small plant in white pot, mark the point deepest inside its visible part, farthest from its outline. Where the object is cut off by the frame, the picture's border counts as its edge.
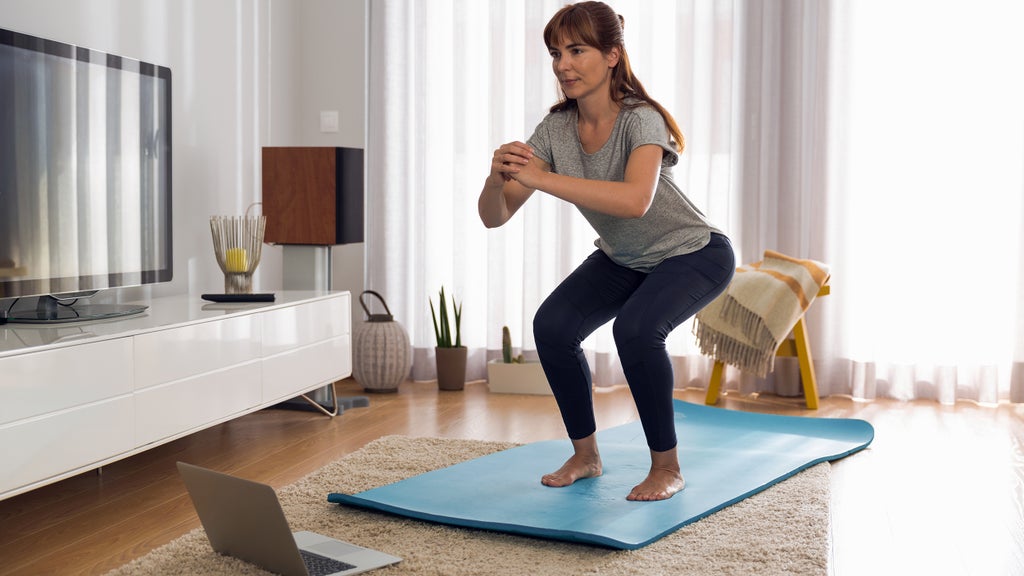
(514, 375)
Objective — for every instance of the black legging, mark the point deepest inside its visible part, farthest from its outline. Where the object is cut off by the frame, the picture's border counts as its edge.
(646, 308)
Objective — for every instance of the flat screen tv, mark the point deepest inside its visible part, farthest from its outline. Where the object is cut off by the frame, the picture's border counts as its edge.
(85, 178)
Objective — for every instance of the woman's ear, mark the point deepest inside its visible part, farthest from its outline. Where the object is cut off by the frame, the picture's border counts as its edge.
(612, 57)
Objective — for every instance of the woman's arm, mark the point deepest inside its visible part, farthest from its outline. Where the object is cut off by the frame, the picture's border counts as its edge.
(502, 196)
(499, 200)
(630, 198)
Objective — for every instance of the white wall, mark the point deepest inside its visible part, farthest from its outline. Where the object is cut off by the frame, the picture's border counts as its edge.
(245, 74)
(333, 56)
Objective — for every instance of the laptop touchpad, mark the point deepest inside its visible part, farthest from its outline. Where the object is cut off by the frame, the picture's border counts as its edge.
(332, 548)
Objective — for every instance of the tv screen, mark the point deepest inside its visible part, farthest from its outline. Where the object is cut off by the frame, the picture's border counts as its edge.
(85, 173)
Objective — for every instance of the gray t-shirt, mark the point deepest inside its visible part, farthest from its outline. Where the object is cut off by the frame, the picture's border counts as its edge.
(671, 226)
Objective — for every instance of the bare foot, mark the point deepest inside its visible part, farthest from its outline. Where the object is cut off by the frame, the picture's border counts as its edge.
(574, 469)
(663, 481)
(584, 463)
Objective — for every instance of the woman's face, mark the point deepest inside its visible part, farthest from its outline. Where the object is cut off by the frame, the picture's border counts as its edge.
(582, 70)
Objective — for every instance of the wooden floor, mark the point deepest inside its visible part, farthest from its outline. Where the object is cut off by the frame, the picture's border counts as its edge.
(940, 491)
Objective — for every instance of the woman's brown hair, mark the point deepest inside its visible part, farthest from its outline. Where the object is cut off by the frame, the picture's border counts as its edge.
(596, 24)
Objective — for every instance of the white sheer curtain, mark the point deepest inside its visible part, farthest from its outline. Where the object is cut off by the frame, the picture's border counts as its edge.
(826, 130)
(928, 174)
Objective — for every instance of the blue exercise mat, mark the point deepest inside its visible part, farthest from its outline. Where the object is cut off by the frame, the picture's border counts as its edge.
(725, 455)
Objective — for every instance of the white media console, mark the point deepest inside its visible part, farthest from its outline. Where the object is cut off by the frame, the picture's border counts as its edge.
(74, 397)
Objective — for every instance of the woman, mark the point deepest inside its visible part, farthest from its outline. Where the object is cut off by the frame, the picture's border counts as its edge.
(608, 148)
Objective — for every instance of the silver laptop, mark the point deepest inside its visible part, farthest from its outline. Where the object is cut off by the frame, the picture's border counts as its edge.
(244, 519)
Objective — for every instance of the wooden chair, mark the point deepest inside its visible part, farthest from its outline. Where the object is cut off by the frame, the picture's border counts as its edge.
(799, 345)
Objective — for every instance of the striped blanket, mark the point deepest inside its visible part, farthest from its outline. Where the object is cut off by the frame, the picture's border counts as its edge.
(745, 325)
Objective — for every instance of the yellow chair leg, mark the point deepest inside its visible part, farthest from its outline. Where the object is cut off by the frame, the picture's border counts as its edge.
(715, 386)
(803, 355)
(799, 346)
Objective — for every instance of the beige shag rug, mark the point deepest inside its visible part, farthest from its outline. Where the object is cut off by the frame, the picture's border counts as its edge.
(782, 530)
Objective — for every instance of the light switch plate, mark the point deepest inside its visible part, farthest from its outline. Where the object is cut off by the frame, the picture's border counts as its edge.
(328, 120)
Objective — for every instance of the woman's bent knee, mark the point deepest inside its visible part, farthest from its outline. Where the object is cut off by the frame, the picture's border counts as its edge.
(552, 326)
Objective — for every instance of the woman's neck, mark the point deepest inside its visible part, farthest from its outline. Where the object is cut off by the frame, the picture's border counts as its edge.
(595, 112)
(595, 121)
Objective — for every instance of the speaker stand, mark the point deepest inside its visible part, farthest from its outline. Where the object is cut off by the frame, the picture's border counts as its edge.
(308, 267)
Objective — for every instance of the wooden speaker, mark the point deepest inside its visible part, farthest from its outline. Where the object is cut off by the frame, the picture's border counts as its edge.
(313, 195)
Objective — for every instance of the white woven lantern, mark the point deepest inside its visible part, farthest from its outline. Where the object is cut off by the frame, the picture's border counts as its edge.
(381, 350)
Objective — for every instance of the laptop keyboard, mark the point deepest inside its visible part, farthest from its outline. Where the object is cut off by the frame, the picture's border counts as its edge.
(318, 565)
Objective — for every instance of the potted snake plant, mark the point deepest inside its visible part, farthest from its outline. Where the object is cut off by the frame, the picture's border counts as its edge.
(449, 354)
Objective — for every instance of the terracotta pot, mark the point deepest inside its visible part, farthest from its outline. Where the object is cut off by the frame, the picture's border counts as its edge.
(451, 367)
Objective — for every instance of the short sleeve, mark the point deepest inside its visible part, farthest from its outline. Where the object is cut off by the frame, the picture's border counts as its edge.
(646, 126)
(541, 141)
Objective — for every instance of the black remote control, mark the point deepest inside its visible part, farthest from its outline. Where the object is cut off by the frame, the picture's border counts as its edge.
(259, 297)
